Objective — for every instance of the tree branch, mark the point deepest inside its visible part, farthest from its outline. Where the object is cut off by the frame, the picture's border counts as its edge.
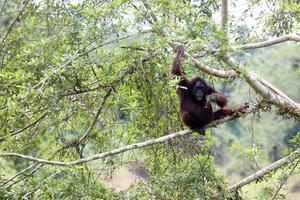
(271, 42)
(90, 128)
(129, 147)
(212, 71)
(266, 170)
(206, 69)
(267, 90)
(224, 16)
(101, 155)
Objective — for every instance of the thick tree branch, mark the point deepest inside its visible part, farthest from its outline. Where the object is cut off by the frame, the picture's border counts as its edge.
(212, 71)
(129, 147)
(101, 155)
(266, 170)
(206, 69)
(267, 90)
(271, 42)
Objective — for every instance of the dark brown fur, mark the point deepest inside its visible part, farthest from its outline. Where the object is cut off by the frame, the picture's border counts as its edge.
(197, 113)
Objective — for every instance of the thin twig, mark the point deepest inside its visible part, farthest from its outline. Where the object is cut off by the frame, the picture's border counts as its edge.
(19, 173)
(24, 128)
(17, 18)
(2, 8)
(24, 177)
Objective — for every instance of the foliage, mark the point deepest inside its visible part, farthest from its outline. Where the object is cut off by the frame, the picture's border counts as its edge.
(195, 177)
(79, 78)
(191, 177)
(60, 184)
(285, 18)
